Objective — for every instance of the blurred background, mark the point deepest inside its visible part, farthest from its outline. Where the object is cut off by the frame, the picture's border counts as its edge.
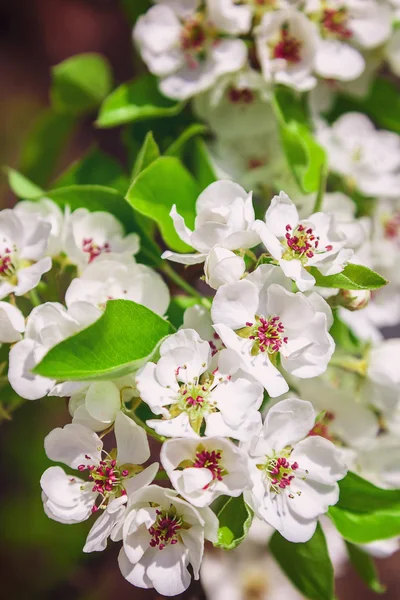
(39, 558)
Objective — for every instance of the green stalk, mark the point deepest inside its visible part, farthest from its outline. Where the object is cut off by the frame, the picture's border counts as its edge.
(184, 285)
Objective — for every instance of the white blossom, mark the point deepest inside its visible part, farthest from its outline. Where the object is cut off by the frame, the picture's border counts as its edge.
(90, 234)
(379, 461)
(112, 478)
(296, 244)
(286, 43)
(23, 245)
(188, 49)
(260, 320)
(202, 470)
(112, 276)
(368, 158)
(223, 266)
(225, 216)
(46, 326)
(294, 476)
(45, 210)
(162, 535)
(12, 323)
(182, 388)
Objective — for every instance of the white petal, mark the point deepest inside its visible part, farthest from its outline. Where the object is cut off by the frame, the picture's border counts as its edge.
(70, 444)
(103, 401)
(132, 444)
(168, 572)
(235, 304)
(338, 60)
(288, 422)
(12, 323)
(23, 381)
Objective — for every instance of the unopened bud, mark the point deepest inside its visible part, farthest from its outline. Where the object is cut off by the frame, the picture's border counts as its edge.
(354, 299)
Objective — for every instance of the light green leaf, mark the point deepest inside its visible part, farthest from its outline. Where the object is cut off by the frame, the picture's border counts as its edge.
(353, 277)
(366, 513)
(176, 148)
(163, 183)
(199, 163)
(22, 186)
(80, 83)
(307, 565)
(120, 341)
(305, 157)
(148, 153)
(96, 168)
(137, 100)
(44, 145)
(365, 567)
(235, 518)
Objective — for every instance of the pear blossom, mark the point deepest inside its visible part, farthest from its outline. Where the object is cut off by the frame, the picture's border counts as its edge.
(294, 476)
(190, 47)
(368, 158)
(112, 276)
(241, 98)
(90, 234)
(198, 317)
(96, 404)
(345, 26)
(298, 244)
(378, 462)
(286, 43)
(202, 470)
(23, 245)
(382, 383)
(223, 266)
(382, 548)
(344, 421)
(47, 211)
(12, 323)
(225, 216)
(385, 242)
(162, 535)
(46, 326)
(182, 388)
(259, 319)
(112, 478)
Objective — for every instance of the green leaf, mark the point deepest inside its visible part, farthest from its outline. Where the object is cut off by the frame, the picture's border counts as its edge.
(22, 186)
(163, 183)
(235, 518)
(382, 105)
(44, 145)
(94, 198)
(137, 100)
(353, 277)
(365, 567)
(120, 341)
(199, 163)
(305, 157)
(95, 168)
(176, 148)
(366, 513)
(148, 153)
(80, 83)
(307, 565)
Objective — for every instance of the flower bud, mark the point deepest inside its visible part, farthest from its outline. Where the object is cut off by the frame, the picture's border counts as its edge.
(223, 266)
(353, 299)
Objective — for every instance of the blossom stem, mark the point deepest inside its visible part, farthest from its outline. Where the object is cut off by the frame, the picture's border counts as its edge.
(34, 298)
(184, 285)
(353, 365)
(148, 430)
(321, 188)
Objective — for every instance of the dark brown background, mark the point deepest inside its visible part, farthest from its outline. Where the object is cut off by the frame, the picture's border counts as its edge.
(39, 558)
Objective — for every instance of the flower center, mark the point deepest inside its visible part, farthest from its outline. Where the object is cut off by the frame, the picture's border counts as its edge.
(392, 227)
(196, 37)
(165, 529)
(211, 461)
(321, 428)
(7, 264)
(94, 250)
(301, 243)
(280, 472)
(287, 47)
(108, 479)
(268, 334)
(240, 96)
(334, 23)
